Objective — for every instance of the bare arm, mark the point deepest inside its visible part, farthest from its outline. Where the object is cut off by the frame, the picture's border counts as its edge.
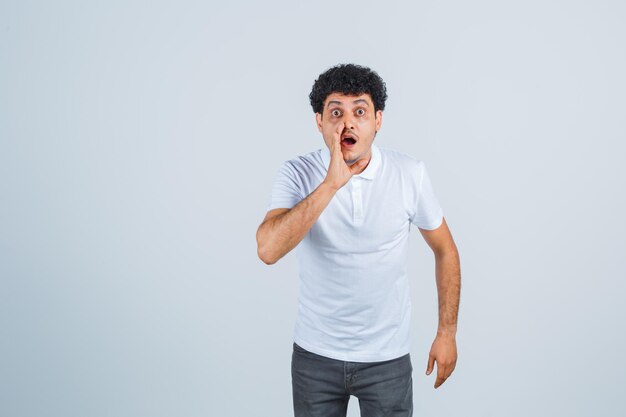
(448, 274)
(284, 228)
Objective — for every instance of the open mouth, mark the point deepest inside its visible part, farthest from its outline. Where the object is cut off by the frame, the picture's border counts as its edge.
(348, 140)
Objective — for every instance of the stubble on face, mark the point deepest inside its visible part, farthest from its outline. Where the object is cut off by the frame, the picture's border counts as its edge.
(365, 155)
(359, 117)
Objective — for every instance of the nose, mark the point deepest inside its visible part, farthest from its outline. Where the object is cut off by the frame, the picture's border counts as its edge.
(348, 122)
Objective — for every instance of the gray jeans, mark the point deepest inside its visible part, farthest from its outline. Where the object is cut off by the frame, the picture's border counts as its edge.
(322, 386)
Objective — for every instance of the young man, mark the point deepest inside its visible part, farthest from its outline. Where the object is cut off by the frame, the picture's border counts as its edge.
(348, 207)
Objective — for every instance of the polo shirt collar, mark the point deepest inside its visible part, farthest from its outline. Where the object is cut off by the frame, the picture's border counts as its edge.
(372, 168)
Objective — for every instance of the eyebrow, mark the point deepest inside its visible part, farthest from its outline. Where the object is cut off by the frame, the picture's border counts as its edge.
(360, 100)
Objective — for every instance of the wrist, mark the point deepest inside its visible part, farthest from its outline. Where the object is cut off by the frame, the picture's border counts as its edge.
(447, 331)
(327, 185)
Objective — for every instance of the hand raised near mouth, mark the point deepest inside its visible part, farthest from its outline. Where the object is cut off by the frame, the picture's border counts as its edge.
(339, 173)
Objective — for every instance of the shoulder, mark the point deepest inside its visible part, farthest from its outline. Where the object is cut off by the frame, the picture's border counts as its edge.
(302, 164)
(401, 160)
(307, 160)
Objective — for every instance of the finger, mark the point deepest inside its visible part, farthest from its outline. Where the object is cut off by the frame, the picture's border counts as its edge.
(441, 375)
(440, 381)
(431, 363)
(339, 129)
(337, 136)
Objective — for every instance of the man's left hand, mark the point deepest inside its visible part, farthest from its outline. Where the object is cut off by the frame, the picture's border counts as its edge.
(443, 350)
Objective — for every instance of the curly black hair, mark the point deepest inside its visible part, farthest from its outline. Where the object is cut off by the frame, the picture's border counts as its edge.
(349, 79)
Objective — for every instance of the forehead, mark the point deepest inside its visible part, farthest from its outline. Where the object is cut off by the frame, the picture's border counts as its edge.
(341, 99)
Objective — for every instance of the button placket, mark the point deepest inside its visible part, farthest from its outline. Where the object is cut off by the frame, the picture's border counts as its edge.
(357, 200)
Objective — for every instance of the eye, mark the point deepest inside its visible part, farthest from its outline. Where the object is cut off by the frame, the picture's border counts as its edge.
(336, 113)
(360, 112)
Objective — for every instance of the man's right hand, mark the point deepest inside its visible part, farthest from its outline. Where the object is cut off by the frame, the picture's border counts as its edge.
(339, 173)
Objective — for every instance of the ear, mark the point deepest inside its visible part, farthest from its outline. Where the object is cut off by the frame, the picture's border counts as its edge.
(318, 120)
(379, 119)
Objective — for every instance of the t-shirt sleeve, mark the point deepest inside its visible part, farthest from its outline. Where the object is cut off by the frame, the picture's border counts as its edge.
(286, 188)
(427, 213)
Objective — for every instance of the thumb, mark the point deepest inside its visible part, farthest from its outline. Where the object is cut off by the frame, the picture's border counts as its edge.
(431, 364)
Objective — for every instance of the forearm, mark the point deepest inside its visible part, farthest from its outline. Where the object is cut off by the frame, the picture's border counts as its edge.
(448, 272)
(279, 235)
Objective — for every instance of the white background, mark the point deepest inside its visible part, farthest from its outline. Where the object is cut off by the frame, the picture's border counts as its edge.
(138, 142)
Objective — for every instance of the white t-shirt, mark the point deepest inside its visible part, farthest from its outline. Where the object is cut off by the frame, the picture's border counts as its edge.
(354, 303)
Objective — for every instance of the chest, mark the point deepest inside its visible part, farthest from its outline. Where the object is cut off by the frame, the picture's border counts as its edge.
(363, 216)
